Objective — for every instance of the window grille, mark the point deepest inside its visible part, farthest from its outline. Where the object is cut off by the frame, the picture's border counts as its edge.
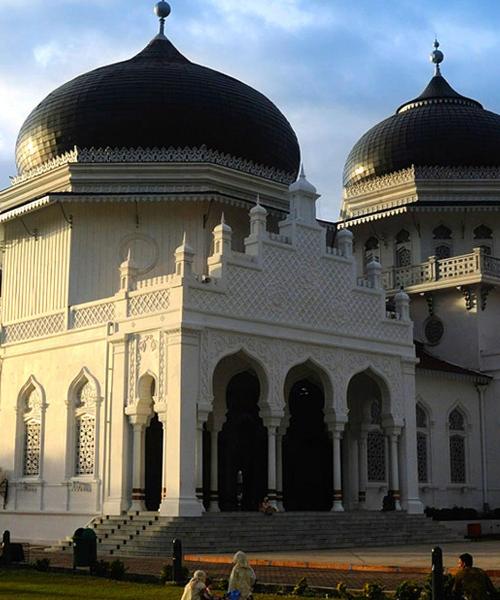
(422, 457)
(442, 251)
(376, 456)
(457, 459)
(85, 445)
(32, 446)
(403, 257)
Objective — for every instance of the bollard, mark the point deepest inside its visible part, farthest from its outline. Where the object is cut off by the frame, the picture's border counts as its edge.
(437, 574)
(177, 574)
(6, 549)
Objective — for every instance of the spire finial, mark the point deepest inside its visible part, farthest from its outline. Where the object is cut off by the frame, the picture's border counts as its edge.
(302, 171)
(258, 199)
(437, 57)
(162, 10)
(222, 219)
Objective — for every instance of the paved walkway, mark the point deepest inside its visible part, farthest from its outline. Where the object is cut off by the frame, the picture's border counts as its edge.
(353, 566)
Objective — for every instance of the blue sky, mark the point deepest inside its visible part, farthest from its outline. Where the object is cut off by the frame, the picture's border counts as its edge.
(335, 68)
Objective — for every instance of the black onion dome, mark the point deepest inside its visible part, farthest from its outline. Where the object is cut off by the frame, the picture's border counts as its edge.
(438, 128)
(158, 99)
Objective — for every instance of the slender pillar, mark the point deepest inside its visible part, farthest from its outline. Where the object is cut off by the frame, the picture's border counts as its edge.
(362, 468)
(271, 464)
(214, 470)
(162, 417)
(138, 467)
(394, 433)
(199, 463)
(337, 471)
(279, 472)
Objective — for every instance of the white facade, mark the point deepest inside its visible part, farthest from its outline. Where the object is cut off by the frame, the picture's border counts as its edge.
(107, 324)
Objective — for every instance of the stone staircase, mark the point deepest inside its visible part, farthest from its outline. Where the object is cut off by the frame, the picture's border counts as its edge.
(147, 534)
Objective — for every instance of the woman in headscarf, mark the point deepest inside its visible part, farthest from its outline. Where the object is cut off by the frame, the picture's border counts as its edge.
(242, 576)
(195, 587)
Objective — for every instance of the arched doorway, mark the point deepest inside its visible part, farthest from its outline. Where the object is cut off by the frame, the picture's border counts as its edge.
(365, 445)
(307, 450)
(153, 457)
(242, 446)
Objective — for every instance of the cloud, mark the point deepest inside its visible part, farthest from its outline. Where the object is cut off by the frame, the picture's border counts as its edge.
(290, 15)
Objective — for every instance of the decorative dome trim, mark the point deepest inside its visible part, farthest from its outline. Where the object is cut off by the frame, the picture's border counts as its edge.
(156, 155)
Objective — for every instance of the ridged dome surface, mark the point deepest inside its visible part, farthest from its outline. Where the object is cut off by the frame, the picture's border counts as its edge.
(439, 128)
(158, 99)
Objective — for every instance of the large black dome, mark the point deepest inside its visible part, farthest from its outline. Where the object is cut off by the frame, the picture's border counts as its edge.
(439, 128)
(158, 99)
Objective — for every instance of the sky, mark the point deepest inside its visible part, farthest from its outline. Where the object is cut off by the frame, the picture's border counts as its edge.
(334, 67)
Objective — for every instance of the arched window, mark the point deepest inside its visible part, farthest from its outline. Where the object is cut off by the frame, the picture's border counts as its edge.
(31, 413)
(422, 445)
(403, 249)
(376, 444)
(442, 250)
(371, 250)
(456, 425)
(85, 430)
(82, 426)
(483, 238)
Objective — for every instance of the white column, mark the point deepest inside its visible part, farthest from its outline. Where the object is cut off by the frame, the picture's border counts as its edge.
(279, 471)
(481, 389)
(394, 433)
(362, 468)
(199, 464)
(214, 469)
(138, 465)
(162, 417)
(272, 425)
(337, 469)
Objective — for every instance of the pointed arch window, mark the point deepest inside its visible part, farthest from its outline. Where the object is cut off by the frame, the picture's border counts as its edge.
(457, 443)
(31, 411)
(376, 444)
(442, 247)
(403, 249)
(83, 426)
(483, 238)
(372, 250)
(422, 445)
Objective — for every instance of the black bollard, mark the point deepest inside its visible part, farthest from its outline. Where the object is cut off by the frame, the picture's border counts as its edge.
(437, 574)
(6, 549)
(177, 574)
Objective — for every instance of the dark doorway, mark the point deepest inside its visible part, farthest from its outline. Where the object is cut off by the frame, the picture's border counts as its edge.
(242, 447)
(307, 451)
(154, 462)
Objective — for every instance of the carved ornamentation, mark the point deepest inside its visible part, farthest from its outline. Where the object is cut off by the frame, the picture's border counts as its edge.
(33, 328)
(149, 303)
(278, 357)
(156, 155)
(93, 315)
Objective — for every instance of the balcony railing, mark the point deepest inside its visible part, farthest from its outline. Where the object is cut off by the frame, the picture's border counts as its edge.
(465, 269)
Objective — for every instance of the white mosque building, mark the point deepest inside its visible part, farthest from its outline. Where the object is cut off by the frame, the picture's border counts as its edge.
(180, 334)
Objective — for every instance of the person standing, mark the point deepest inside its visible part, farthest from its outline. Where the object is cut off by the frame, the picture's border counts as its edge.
(242, 576)
(472, 583)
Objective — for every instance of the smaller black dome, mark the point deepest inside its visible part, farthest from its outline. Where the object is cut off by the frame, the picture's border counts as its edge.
(438, 128)
(158, 99)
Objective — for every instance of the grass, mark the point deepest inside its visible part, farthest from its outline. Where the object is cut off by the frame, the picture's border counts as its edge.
(24, 584)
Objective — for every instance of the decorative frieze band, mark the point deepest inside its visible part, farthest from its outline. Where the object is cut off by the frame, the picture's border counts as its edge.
(157, 155)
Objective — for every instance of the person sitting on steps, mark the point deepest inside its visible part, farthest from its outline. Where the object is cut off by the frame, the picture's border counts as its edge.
(266, 507)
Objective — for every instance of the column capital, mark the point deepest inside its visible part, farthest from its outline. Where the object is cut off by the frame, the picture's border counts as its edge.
(138, 414)
(203, 411)
(335, 426)
(272, 421)
(394, 431)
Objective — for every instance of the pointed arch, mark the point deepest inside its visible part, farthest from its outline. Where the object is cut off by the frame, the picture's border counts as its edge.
(306, 367)
(82, 425)
(383, 384)
(147, 385)
(457, 425)
(84, 377)
(31, 407)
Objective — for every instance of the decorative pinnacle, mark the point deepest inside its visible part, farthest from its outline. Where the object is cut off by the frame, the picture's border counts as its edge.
(162, 10)
(302, 171)
(437, 57)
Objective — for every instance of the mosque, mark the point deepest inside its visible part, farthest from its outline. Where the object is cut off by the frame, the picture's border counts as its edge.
(179, 332)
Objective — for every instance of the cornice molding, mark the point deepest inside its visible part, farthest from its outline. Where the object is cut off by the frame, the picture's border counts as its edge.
(156, 155)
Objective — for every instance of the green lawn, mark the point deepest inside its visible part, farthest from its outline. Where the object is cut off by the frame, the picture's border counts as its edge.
(32, 585)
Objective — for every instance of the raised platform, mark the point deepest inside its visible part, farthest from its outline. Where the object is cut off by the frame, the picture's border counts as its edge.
(147, 534)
